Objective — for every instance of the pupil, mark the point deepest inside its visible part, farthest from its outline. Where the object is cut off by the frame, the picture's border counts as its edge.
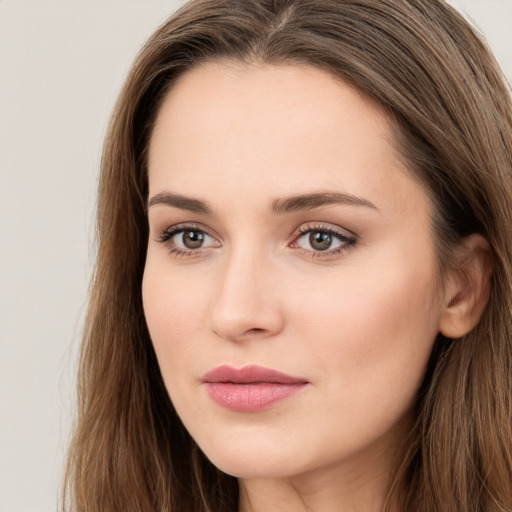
(320, 241)
(193, 239)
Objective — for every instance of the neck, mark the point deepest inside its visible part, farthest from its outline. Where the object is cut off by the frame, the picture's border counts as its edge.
(334, 489)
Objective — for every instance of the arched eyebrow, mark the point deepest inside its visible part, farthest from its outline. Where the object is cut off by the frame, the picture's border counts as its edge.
(317, 199)
(279, 206)
(181, 202)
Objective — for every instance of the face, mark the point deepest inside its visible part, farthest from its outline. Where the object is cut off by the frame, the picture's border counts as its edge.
(290, 282)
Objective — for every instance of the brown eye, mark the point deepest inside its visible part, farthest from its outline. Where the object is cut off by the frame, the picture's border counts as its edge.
(187, 239)
(192, 239)
(326, 241)
(320, 240)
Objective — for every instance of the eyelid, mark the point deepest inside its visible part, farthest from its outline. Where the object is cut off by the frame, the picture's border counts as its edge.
(166, 235)
(348, 238)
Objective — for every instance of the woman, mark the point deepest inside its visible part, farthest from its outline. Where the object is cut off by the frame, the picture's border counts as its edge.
(303, 294)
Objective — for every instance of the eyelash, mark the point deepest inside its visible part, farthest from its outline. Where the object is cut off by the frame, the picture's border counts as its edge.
(347, 240)
(169, 233)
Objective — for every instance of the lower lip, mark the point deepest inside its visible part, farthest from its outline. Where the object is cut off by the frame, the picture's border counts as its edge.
(251, 397)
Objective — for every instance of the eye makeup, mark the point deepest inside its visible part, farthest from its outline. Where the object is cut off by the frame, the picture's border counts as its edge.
(316, 240)
(187, 240)
(319, 240)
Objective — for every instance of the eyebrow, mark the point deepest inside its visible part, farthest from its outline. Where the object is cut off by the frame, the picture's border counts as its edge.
(182, 202)
(279, 206)
(317, 199)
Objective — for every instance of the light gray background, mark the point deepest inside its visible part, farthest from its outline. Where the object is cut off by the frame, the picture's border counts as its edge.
(61, 65)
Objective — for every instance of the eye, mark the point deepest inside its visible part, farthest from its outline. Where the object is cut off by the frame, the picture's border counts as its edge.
(185, 240)
(190, 239)
(323, 240)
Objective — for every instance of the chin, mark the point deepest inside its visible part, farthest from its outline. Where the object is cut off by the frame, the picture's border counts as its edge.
(245, 458)
(251, 467)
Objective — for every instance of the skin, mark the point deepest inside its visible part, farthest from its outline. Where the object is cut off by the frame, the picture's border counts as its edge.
(358, 325)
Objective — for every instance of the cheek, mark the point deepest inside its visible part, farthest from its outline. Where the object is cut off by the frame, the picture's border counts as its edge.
(371, 328)
(368, 342)
(174, 309)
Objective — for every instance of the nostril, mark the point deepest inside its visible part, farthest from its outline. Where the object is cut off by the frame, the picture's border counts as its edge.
(254, 331)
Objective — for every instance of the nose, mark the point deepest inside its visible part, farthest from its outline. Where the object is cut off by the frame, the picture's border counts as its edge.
(247, 303)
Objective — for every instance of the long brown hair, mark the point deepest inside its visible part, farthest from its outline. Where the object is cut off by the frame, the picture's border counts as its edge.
(452, 113)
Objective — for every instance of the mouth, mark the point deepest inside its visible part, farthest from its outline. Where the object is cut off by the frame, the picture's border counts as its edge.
(251, 388)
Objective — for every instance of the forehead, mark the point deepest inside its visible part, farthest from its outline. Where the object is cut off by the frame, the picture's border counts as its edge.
(224, 95)
(294, 128)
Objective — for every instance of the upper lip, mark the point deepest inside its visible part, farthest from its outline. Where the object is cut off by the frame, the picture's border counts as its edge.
(250, 375)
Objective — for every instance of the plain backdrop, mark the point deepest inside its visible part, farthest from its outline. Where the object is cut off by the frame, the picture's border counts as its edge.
(61, 66)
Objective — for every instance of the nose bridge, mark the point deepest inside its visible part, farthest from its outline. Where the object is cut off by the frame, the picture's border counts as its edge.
(244, 303)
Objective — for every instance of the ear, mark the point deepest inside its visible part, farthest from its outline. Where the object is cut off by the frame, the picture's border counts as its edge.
(468, 288)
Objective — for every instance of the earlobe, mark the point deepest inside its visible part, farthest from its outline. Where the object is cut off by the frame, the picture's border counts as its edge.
(467, 292)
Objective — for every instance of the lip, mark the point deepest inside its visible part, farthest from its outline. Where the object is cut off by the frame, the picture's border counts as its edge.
(251, 388)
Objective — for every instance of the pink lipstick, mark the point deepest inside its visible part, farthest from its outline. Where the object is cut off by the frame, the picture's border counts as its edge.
(251, 388)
